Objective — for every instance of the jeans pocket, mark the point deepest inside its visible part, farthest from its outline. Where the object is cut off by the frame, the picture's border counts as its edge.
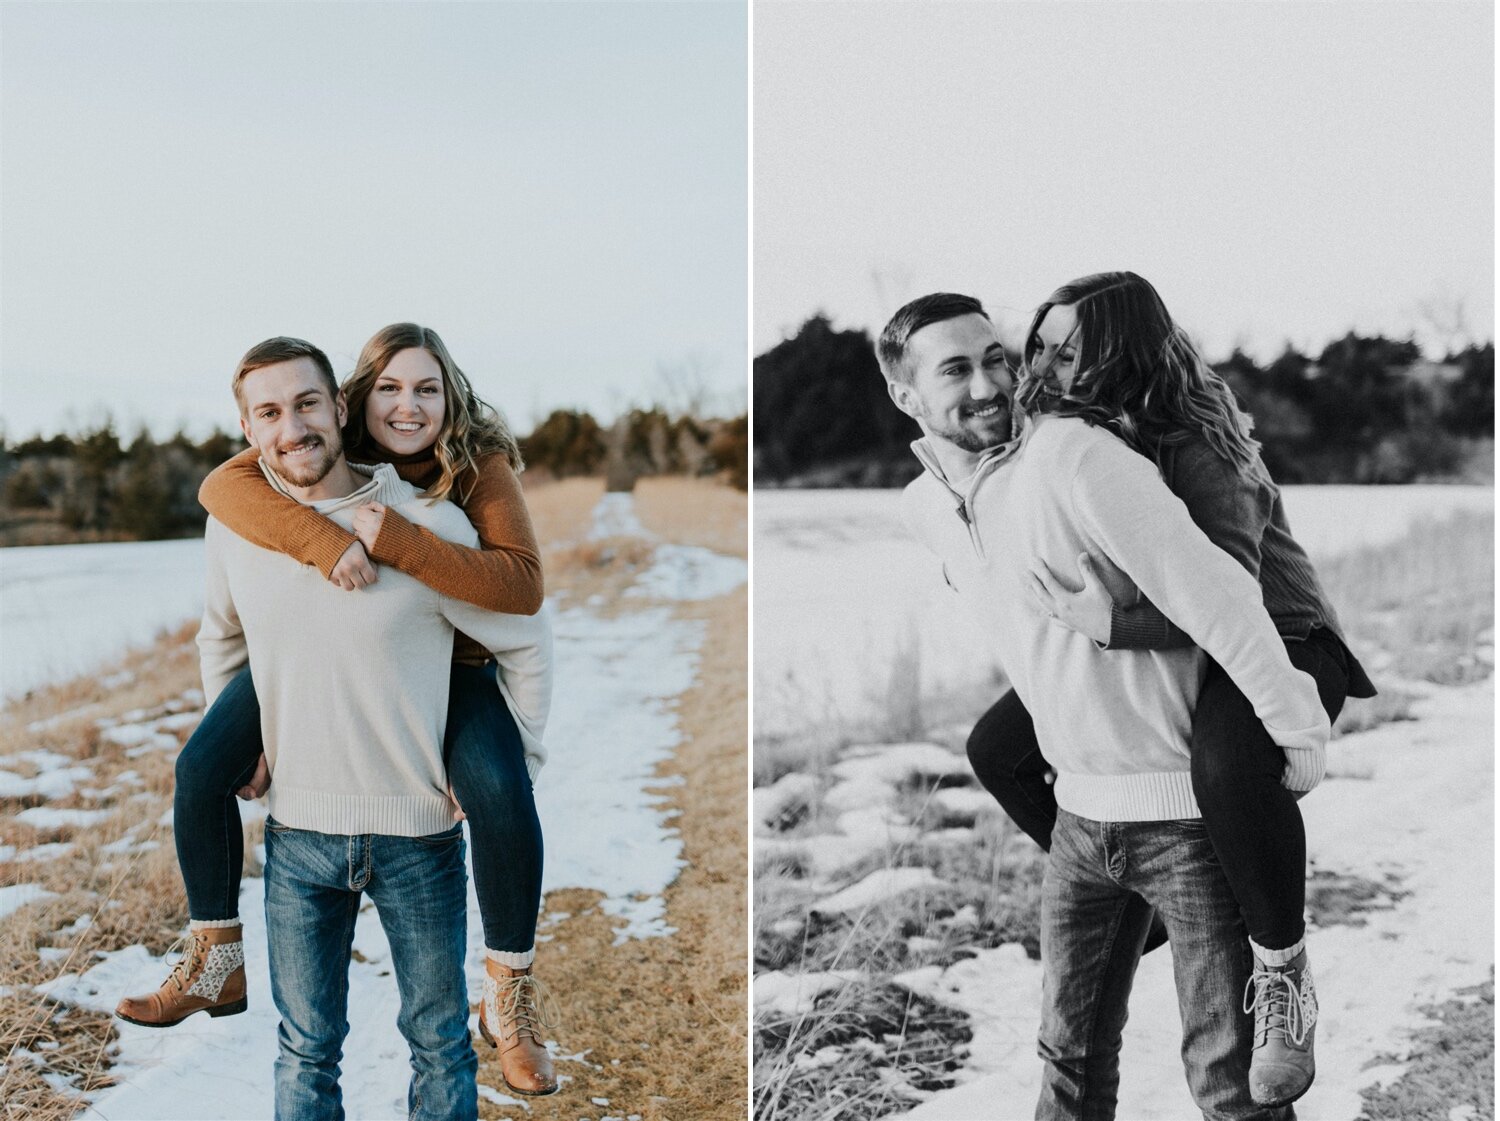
(274, 826)
(446, 837)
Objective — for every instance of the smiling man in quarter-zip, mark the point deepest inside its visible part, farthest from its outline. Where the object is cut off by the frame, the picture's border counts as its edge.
(1115, 723)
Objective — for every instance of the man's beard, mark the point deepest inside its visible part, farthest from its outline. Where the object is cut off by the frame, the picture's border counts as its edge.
(991, 434)
(310, 472)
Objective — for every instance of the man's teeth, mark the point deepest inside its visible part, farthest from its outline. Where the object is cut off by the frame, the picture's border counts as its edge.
(988, 410)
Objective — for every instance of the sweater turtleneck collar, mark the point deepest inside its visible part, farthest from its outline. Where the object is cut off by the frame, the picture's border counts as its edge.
(420, 468)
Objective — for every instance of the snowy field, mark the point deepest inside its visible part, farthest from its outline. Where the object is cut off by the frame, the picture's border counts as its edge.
(840, 588)
(612, 723)
(66, 609)
(840, 585)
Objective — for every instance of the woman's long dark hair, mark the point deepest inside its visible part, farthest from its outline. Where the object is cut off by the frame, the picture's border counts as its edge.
(1139, 374)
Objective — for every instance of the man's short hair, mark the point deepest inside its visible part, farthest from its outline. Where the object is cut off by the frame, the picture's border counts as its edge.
(921, 312)
(281, 349)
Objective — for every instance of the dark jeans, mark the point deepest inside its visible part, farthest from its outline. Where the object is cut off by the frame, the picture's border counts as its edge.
(314, 882)
(1102, 881)
(486, 764)
(1253, 821)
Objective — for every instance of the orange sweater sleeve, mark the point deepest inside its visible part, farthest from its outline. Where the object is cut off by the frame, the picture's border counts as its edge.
(504, 574)
(237, 494)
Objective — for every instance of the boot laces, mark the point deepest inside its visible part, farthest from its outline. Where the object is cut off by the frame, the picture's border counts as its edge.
(523, 1001)
(1280, 1004)
(192, 949)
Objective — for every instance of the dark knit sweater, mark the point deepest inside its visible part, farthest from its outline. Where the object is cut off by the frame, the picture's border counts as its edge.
(1245, 517)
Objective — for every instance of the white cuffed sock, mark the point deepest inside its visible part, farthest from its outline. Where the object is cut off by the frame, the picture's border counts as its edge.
(511, 960)
(1278, 957)
(212, 924)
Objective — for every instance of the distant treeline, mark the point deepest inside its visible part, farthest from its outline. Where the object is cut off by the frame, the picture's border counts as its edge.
(92, 486)
(1364, 410)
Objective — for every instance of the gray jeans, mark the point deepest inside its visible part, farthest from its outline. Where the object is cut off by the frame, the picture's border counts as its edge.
(1101, 881)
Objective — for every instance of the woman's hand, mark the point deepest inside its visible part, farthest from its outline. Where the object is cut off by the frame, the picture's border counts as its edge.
(1087, 611)
(355, 569)
(259, 782)
(367, 522)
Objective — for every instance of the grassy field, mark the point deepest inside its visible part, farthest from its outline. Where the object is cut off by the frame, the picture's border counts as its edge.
(661, 1021)
(853, 1043)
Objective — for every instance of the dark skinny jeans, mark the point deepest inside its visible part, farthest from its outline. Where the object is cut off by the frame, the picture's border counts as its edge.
(1252, 820)
(486, 764)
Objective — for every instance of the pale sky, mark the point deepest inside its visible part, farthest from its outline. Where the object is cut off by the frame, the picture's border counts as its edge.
(1280, 171)
(560, 190)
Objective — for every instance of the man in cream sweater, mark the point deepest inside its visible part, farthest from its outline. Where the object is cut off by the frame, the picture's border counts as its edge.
(353, 693)
(1114, 724)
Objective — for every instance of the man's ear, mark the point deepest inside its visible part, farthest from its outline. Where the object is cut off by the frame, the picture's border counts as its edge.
(904, 395)
(341, 408)
(249, 435)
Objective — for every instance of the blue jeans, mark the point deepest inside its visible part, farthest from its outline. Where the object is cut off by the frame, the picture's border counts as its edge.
(313, 886)
(486, 763)
(1101, 881)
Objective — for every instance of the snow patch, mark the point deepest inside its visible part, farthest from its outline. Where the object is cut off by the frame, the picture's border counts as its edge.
(877, 887)
(614, 516)
(793, 994)
(689, 572)
(16, 896)
(45, 817)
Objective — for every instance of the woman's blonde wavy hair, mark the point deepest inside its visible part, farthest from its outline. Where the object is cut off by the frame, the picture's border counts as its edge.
(471, 428)
(1139, 374)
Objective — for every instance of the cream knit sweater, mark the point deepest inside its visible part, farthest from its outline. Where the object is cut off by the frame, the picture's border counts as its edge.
(353, 686)
(1114, 723)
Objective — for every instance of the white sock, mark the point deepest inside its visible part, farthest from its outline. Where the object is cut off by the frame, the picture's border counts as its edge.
(1277, 957)
(212, 924)
(512, 960)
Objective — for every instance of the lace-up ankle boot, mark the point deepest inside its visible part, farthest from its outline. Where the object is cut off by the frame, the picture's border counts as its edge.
(209, 977)
(1286, 1015)
(513, 1015)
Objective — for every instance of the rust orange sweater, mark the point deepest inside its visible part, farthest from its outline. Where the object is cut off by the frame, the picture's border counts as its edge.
(504, 574)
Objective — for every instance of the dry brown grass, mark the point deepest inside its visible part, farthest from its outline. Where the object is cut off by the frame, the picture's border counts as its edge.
(664, 1019)
(561, 510)
(133, 896)
(695, 512)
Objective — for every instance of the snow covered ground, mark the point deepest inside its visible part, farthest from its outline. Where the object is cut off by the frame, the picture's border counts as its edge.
(66, 609)
(1430, 787)
(840, 585)
(599, 799)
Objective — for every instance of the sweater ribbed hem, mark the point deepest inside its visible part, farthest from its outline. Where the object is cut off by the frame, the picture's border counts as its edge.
(1146, 796)
(355, 814)
(326, 545)
(1304, 768)
(1131, 630)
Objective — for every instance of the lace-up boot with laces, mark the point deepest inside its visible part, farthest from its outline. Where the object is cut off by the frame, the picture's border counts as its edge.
(513, 1015)
(1286, 1014)
(209, 977)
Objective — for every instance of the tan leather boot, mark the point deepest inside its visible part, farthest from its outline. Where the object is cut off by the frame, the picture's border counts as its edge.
(512, 1016)
(210, 977)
